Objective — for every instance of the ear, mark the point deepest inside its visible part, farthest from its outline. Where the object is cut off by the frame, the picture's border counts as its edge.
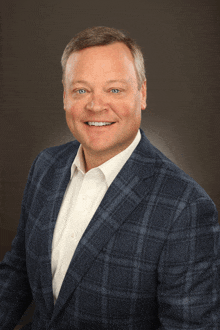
(64, 96)
(144, 95)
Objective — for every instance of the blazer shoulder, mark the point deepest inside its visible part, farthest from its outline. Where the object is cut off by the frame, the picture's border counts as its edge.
(57, 154)
(175, 182)
(53, 161)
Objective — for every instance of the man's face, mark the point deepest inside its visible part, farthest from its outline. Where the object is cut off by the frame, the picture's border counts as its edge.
(101, 87)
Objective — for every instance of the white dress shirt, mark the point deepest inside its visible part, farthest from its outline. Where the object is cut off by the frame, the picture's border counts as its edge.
(81, 200)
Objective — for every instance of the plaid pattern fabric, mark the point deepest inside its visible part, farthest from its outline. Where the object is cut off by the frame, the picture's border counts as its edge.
(149, 259)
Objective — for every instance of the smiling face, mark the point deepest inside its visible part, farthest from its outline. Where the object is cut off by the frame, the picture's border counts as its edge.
(102, 101)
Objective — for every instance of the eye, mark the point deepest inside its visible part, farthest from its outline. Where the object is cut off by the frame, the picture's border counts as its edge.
(115, 90)
(81, 91)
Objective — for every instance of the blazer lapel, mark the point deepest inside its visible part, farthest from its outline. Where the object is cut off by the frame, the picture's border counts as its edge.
(125, 193)
(60, 175)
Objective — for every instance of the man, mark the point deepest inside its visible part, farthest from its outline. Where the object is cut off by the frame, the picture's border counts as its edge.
(112, 234)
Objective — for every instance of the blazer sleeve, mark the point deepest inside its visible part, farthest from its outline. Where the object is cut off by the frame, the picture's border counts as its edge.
(15, 291)
(189, 270)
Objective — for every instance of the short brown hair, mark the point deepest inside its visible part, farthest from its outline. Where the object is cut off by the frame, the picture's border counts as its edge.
(100, 36)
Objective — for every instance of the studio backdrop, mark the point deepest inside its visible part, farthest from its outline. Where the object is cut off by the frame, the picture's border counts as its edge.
(181, 44)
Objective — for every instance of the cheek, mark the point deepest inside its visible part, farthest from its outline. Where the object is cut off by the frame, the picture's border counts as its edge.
(70, 119)
(72, 111)
(127, 110)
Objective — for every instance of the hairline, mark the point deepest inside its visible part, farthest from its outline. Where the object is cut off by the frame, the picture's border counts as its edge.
(101, 36)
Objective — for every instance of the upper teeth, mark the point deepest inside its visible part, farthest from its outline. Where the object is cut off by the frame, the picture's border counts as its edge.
(94, 123)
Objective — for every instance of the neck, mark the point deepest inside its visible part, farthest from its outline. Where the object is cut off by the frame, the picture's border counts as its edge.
(93, 160)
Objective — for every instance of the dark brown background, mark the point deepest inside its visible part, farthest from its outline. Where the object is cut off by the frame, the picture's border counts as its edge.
(181, 43)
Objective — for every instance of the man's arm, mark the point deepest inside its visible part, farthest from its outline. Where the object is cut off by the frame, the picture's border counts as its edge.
(15, 291)
(189, 270)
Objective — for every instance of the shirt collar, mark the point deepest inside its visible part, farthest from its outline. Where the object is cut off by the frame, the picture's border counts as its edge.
(78, 162)
(112, 167)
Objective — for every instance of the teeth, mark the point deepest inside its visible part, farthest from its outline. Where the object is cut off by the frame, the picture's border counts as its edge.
(94, 123)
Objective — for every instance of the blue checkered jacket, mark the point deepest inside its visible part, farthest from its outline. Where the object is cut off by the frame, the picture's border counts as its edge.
(149, 259)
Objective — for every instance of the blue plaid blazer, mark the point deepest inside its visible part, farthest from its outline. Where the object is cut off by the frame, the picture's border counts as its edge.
(149, 259)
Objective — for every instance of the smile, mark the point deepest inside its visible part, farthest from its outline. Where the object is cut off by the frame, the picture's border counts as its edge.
(96, 123)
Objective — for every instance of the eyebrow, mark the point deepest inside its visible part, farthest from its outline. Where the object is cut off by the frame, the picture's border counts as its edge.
(119, 80)
(79, 82)
(107, 82)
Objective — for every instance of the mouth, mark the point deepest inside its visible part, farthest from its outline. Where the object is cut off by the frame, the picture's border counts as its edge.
(98, 123)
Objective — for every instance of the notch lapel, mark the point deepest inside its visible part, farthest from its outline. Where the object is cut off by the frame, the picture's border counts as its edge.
(58, 180)
(124, 194)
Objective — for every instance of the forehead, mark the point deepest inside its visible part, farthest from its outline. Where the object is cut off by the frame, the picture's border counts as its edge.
(105, 59)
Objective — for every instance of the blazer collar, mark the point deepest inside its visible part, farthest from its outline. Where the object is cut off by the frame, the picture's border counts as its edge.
(124, 194)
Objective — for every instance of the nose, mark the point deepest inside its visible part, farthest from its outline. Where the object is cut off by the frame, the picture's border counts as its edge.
(96, 103)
